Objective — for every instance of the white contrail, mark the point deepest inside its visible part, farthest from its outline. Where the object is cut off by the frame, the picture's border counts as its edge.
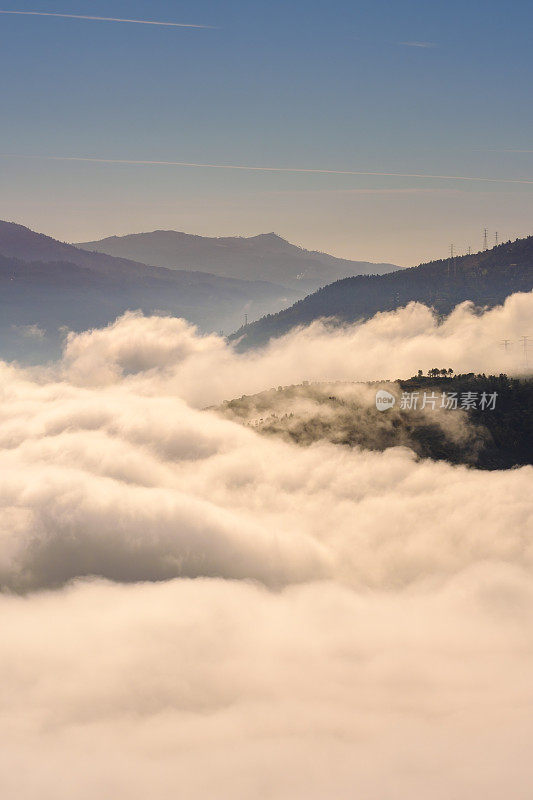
(104, 19)
(425, 45)
(250, 168)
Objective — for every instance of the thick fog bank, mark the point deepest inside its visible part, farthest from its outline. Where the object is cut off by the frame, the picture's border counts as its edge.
(193, 610)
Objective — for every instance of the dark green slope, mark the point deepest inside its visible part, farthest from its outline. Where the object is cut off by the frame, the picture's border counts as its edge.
(486, 278)
(345, 414)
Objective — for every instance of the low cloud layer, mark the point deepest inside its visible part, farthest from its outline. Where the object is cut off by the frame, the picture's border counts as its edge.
(191, 609)
(164, 355)
(216, 689)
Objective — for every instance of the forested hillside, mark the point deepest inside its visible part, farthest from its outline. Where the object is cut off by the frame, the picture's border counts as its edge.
(491, 433)
(486, 278)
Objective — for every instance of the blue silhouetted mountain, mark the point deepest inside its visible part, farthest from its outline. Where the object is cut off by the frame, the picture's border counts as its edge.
(265, 257)
(485, 278)
(50, 285)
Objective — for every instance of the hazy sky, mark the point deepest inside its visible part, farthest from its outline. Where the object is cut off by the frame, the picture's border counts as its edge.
(413, 88)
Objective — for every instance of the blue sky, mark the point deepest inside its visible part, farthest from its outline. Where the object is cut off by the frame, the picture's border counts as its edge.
(410, 87)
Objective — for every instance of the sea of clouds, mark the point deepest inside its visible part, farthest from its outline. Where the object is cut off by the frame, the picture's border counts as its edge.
(192, 610)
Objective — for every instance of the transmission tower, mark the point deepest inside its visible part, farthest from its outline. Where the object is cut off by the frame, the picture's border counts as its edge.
(485, 239)
(451, 262)
(524, 340)
(506, 343)
(496, 238)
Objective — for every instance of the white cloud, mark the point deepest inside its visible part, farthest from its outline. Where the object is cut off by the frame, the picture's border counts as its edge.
(29, 331)
(216, 689)
(358, 623)
(165, 356)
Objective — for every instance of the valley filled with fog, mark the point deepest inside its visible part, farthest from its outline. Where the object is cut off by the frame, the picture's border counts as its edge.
(266, 400)
(193, 609)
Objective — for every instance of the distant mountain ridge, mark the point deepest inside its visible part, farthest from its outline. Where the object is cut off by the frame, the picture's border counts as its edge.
(21, 242)
(486, 278)
(50, 284)
(263, 257)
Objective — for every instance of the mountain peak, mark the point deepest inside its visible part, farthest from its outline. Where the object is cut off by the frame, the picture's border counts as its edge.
(272, 237)
(265, 256)
(271, 242)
